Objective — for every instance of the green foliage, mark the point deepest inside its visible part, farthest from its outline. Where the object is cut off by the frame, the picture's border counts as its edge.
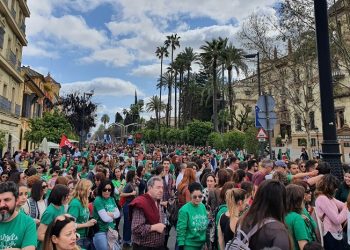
(251, 144)
(2, 139)
(215, 140)
(51, 126)
(150, 135)
(234, 139)
(278, 141)
(198, 132)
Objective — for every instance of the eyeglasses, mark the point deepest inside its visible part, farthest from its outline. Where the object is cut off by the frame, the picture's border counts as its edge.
(308, 191)
(107, 190)
(197, 196)
(44, 186)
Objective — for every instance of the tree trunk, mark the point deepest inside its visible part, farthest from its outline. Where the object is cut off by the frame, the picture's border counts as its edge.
(230, 96)
(215, 91)
(160, 91)
(175, 89)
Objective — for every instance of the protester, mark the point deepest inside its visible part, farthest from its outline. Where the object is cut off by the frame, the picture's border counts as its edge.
(17, 230)
(61, 234)
(105, 212)
(36, 205)
(148, 227)
(193, 220)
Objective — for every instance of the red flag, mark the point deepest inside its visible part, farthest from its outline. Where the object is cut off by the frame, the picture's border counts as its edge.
(65, 142)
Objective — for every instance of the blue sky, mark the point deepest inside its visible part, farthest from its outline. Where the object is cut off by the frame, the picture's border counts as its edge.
(109, 45)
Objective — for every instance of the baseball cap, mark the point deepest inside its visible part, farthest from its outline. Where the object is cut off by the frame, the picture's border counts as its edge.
(280, 163)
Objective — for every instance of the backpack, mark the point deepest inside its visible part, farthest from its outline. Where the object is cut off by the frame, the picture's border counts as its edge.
(241, 239)
(173, 210)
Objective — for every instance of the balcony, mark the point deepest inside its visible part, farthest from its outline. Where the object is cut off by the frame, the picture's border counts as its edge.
(5, 105)
(19, 66)
(11, 57)
(23, 28)
(17, 110)
(13, 14)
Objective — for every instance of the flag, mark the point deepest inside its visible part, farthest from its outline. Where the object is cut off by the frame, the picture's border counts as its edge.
(65, 142)
(279, 156)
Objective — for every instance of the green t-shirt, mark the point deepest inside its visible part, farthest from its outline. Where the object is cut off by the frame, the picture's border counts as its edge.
(18, 233)
(298, 229)
(192, 225)
(84, 175)
(51, 213)
(107, 204)
(118, 184)
(80, 213)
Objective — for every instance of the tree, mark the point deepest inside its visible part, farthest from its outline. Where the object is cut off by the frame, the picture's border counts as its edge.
(118, 118)
(105, 119)
(161, 52)
(51, 126)
(2, 139)
(155, 105)
(80, 111)
(292, 77)
(211, 52)
(172, 41)
(232, 58)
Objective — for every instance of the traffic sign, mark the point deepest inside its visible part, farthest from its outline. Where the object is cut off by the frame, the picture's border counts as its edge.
(266, 102)
(263, 120)
(261, 134)
(257, 123)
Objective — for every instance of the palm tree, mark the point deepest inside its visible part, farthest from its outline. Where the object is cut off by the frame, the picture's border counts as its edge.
(189, 56)
(232, 58)
(105, 119)
(161, 52)
(211, 54)
(173, 42)
(179, 66)
(155, 105)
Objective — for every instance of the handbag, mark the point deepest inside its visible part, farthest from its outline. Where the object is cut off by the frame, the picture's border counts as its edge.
(112, 239)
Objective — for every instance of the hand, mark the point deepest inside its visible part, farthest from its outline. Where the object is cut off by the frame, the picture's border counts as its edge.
(91, 223)
(133, 192)
(314, 173)
(159, 227)
(37, 222)
(164, 203)
(110, 214)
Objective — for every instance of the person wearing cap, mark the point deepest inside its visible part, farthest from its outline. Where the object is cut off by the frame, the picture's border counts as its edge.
(266, 169)
(279, 166)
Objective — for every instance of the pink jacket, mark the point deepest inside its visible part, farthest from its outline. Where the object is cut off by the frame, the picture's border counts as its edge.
(332, 212)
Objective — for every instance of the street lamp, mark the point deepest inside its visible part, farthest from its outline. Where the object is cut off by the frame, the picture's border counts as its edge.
(330, 145)
(257, 55)
(82, 133)
(318, 143)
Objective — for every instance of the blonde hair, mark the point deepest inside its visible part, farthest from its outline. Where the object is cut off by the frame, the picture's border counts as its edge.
(81, 192)
(233, 196)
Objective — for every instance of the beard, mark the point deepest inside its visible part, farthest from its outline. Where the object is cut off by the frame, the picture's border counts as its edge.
(6, 213)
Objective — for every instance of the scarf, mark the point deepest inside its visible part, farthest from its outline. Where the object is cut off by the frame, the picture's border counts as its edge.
(146, 203)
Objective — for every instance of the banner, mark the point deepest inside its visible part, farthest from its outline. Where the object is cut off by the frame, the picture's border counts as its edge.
(65, 142)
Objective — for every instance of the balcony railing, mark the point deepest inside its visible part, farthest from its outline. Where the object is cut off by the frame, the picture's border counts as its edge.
(23, 28)
(19, 64)
(11, 57)
(13, 13)
(6, 2)
(18, 110)
(5, 105)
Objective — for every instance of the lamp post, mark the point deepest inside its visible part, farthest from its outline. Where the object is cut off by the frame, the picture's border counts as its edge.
(257, 55)
(124, 128)
(318, 143)
(82, 133)
(330, 145)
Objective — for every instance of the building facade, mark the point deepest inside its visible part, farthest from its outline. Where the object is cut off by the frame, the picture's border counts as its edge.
(12, 39)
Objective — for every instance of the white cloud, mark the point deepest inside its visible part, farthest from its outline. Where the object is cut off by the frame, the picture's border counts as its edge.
(34, 51)
(152, 70)
(117, 57)
(103, 86)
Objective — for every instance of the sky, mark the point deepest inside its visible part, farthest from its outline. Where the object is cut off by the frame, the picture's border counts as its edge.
(109, 45)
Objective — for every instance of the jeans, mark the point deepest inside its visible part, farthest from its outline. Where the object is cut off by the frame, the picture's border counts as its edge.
(100, 241)
(330, 243)
(127, 225)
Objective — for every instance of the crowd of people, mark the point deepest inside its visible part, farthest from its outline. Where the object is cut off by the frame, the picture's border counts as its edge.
(133, 197)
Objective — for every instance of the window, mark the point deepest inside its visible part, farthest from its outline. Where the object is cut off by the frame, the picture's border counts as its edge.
(302, 142)
(4, 91)
(312, 120)
(298, 123)
(309, 94)
(339, 118)
(313, 142)
(2, 36)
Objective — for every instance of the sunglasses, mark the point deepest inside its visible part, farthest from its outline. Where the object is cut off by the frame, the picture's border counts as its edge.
(65, 217)
(44, 186)
(308, 191)
(4, 177)
(197, 196)
(109, 190)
